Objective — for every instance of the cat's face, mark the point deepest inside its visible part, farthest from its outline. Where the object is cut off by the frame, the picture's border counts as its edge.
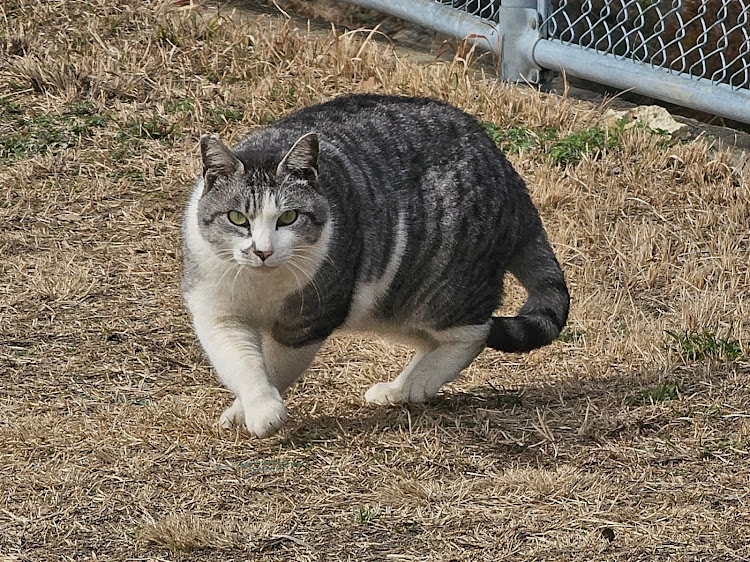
(265, 219)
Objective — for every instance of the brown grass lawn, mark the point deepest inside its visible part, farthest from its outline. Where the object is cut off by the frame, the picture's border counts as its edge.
(627, 439)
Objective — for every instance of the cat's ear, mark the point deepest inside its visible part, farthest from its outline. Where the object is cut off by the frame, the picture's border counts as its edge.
(218, 161)
(302, 158)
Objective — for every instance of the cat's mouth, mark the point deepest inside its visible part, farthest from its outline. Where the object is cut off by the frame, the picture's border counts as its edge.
(263, 266)
(263, 263)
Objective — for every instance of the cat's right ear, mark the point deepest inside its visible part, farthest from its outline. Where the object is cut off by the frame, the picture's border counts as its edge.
(218, 161)
(302, 158)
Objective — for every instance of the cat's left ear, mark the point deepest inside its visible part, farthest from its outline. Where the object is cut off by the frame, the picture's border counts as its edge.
(218, 161)
(302, 158)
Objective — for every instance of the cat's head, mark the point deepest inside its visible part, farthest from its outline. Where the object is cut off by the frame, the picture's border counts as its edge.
(267, 213)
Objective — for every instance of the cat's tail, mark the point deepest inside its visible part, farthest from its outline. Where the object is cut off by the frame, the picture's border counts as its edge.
(545, 312)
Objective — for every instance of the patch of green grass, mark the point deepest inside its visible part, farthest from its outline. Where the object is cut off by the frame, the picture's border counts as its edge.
(571, 335)
(726, 446)
(705, 344)
(259, 466)
(367, 514)
(154, 128)
(562, 151)
(285, 94)
(181, 105)
(36, 134)
(571, 148)
(304, 439)
(668, 390)
(224, 114)
(520, 139)
(7, 107)
(131, 135)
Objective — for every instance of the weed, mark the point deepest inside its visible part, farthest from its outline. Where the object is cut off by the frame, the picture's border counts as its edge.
(181, 105)
(167, 34)
(154, 128)
(564, 151)
(508, 400)
(520, 139)
(225, 114)
(572, 148)
(497, 397)
(706, 344)
(367, 514)
(38, 134)
(663, 392)
(572, 335)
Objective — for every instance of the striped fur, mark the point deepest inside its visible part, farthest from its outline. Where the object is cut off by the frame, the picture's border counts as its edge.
(409, 217)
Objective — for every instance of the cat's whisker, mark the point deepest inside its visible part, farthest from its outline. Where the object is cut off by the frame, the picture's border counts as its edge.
(316, 251)
(309, 259)
(300, 287)
(234, 282)
(233, 265)
(316, 256)
(310, 280)
(225, 252)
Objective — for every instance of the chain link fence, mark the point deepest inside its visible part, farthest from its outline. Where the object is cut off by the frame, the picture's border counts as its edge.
(707, 40)
(694, 53)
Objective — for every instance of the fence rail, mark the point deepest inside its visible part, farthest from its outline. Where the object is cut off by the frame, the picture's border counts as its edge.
(694, 53)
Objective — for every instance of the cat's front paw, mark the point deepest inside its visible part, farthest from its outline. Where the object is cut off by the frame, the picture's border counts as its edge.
(232, 416)
(385, 394)
(264, 416)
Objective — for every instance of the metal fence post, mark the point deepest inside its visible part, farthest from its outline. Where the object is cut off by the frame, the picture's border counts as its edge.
(512, 38)
(673, 50)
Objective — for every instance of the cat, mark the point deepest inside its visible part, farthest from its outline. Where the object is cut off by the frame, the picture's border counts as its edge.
(385, 214)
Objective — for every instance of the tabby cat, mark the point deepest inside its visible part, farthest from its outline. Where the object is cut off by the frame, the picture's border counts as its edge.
(370, 213)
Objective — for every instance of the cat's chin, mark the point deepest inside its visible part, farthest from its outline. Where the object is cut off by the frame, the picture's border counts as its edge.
(262, 268)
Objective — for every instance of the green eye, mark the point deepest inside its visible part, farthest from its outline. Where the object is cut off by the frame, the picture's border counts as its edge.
(287, 218)
(237, 218)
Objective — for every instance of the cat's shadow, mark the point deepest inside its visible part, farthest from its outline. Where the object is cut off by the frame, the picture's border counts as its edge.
(567, 413)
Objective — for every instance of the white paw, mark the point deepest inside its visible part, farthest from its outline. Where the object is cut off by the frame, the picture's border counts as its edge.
(232, 416)
(264, 416)
(390, 393)
(385, 394)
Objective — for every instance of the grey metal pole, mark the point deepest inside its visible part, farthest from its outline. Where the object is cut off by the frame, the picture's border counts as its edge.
(438, 17)
(512, 38)
(626, 74)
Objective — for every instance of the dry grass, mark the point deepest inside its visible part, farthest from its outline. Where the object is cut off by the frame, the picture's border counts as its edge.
(619, 442)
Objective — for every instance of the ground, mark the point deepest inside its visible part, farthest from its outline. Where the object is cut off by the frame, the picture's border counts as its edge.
(626, 439)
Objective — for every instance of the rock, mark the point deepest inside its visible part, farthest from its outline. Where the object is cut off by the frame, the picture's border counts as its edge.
(652, 116)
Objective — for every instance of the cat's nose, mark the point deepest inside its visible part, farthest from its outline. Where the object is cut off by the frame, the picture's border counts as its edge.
(263, 255)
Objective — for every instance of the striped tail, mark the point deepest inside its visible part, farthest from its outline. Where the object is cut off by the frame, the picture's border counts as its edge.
(545, 312)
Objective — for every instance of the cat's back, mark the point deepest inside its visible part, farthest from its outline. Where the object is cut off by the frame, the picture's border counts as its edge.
(371, 128)
(390, 121)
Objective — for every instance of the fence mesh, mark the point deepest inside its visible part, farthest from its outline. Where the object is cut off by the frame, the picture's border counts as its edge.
(702, 39)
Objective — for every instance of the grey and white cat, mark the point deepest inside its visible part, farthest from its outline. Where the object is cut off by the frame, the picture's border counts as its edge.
(385, 214)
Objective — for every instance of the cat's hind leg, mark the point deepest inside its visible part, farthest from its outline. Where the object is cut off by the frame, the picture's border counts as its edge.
(440, 361)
